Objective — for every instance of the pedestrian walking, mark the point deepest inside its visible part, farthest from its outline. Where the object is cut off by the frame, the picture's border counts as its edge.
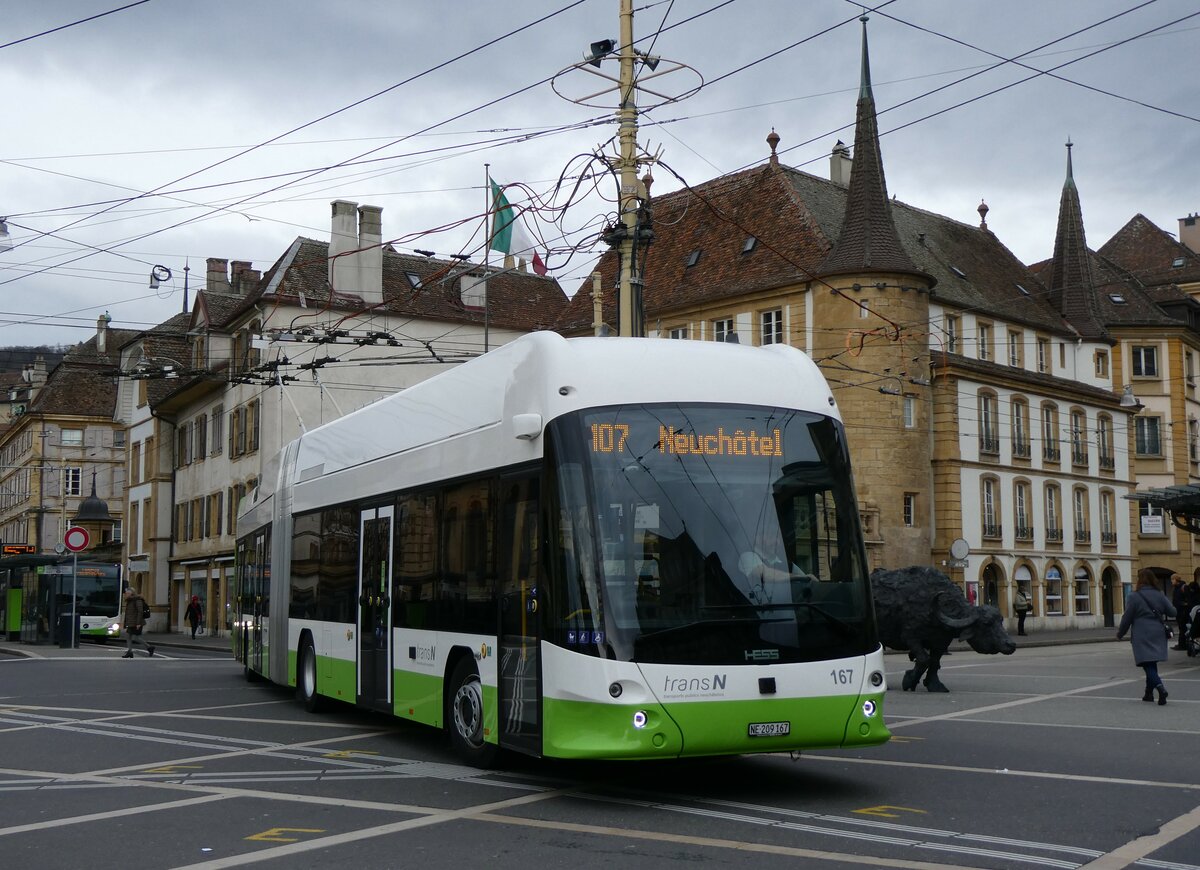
(1022, 605)
(194, 614)
(1144, 620)
(1180, 600)
(135, 620)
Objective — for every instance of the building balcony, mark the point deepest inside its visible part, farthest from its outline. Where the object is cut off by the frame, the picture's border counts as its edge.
(992, 530)
(1051, 453)
(1107, 461)
(1108, 539)
(1021, 450)
(1054, 536)
(1024, 533)
(1083, 536)
(1079, 457)
(989, 444)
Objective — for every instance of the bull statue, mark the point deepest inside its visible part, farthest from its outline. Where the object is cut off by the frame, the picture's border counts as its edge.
(920, 610)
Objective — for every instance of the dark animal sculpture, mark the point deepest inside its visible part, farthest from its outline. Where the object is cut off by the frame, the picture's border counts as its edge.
(920, 610)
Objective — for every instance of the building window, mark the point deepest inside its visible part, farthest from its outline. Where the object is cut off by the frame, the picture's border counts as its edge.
(1151, 520)
(1102, 364)
(950, 324)
(910, 412)
(722, 329)
(985, 341)
(1104, 442)
(1043, 355)
(116, 533)
(118, 438)
(989, 440)
(1014, 349)
(1053, 517)
(200, 436)
(910, 508)
(73, 481)
(1054, 590)
(1193, 439)
(1108, 533)
(991, 508)
(772, 326)
(1083, 590)
(71, 437)
(1144, 361)
(1020, 429)
(1079, 445)
(1024, 529)
(218, 429)
(680, 332)
(1189, 368)
(1050, 433)
(1147, 440)
(254, 409)
(1083, 532)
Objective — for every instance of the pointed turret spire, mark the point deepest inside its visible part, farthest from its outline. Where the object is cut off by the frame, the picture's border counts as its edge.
(1072, 289)
(868, 241)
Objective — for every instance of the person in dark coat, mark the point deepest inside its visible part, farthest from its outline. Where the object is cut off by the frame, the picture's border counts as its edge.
(1179, 600)
(135, 606)
(194, 614)
(1143, 618)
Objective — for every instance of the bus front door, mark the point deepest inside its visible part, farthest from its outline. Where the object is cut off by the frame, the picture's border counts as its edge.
(518, 665)
(375, 608)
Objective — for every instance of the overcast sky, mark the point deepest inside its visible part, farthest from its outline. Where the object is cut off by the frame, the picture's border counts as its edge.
(176, 130)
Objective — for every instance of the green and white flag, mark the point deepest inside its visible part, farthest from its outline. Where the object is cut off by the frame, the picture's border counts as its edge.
(509, 235)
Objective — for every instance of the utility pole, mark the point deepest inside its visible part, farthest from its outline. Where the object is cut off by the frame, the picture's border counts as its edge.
(632, 321)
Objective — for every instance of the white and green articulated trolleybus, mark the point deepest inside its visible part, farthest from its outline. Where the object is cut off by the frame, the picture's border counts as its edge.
(606, 548)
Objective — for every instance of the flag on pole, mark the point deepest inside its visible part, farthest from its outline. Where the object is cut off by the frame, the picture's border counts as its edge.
(509, 235)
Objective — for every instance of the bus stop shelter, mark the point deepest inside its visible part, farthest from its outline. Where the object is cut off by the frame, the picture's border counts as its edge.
(1180, 503)
(29, 606)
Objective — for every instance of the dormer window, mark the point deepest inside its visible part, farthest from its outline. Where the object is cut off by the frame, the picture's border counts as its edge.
(1117, 298)
(1177, 263)
(957, 271)
(748, 245)
(414, 279)
(693, 258)
(1024, 292)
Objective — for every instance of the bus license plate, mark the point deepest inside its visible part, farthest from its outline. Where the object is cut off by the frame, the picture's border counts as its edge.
(770, 729)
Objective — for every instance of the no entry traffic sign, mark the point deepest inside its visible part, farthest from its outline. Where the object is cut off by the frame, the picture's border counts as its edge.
(76, 539)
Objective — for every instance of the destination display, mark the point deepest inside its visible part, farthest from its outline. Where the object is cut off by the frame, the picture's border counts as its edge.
(612, 438)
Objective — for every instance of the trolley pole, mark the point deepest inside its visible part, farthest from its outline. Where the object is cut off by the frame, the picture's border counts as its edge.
(632, 321)
(74, 601)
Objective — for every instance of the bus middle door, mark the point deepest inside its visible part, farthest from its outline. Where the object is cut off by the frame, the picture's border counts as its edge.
(519, 670)
(375, 608)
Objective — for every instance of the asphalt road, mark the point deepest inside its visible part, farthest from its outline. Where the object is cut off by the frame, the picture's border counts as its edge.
(1047, 758)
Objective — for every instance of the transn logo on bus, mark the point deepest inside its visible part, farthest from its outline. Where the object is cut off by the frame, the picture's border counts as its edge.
(762, 655)
(693, 685)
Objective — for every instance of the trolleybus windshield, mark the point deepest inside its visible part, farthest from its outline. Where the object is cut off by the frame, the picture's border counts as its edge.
(708, 534)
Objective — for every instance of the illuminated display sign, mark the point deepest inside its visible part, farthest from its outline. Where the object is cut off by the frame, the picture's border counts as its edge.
(612, 437)
(17, 549)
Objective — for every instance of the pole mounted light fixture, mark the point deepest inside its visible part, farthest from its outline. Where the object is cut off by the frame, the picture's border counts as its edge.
(599, 50)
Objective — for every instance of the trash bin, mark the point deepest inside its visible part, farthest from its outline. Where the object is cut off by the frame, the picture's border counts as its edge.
(65, 631)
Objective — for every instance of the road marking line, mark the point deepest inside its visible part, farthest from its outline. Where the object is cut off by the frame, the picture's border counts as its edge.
(111, 814)
(1135, 850)
(1004, 705)
(271, 835)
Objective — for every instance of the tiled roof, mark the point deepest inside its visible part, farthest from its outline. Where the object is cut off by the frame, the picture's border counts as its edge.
(794, 215)
(516, 300)
(83, 384)
(1150, 253)
(867, 241)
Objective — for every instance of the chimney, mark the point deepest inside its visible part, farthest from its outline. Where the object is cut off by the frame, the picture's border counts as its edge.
(102, 333)
(343, 240)
(217, 278)
(243, 279)
(370, 254)
(839, 164)
(1189, 232)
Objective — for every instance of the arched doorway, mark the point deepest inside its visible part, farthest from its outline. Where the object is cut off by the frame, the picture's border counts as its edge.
(1024, 580)
(992, 578)
(1110, 582)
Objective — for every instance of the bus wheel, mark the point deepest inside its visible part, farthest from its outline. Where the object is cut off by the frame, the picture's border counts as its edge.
(306, 678)
(464, 718)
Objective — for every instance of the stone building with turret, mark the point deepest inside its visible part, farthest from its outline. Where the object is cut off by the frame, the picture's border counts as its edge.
(976, 412)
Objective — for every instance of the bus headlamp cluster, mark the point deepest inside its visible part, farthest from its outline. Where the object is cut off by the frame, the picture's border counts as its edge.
(639, 720)
(877, 679)
(869, 709)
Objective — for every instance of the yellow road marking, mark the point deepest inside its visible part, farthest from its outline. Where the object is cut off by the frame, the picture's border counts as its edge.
(272, 835)
(173, 768)
(882, 811)
(348, 753)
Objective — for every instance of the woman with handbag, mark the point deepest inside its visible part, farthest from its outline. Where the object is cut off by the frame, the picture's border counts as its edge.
(1144, 618)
